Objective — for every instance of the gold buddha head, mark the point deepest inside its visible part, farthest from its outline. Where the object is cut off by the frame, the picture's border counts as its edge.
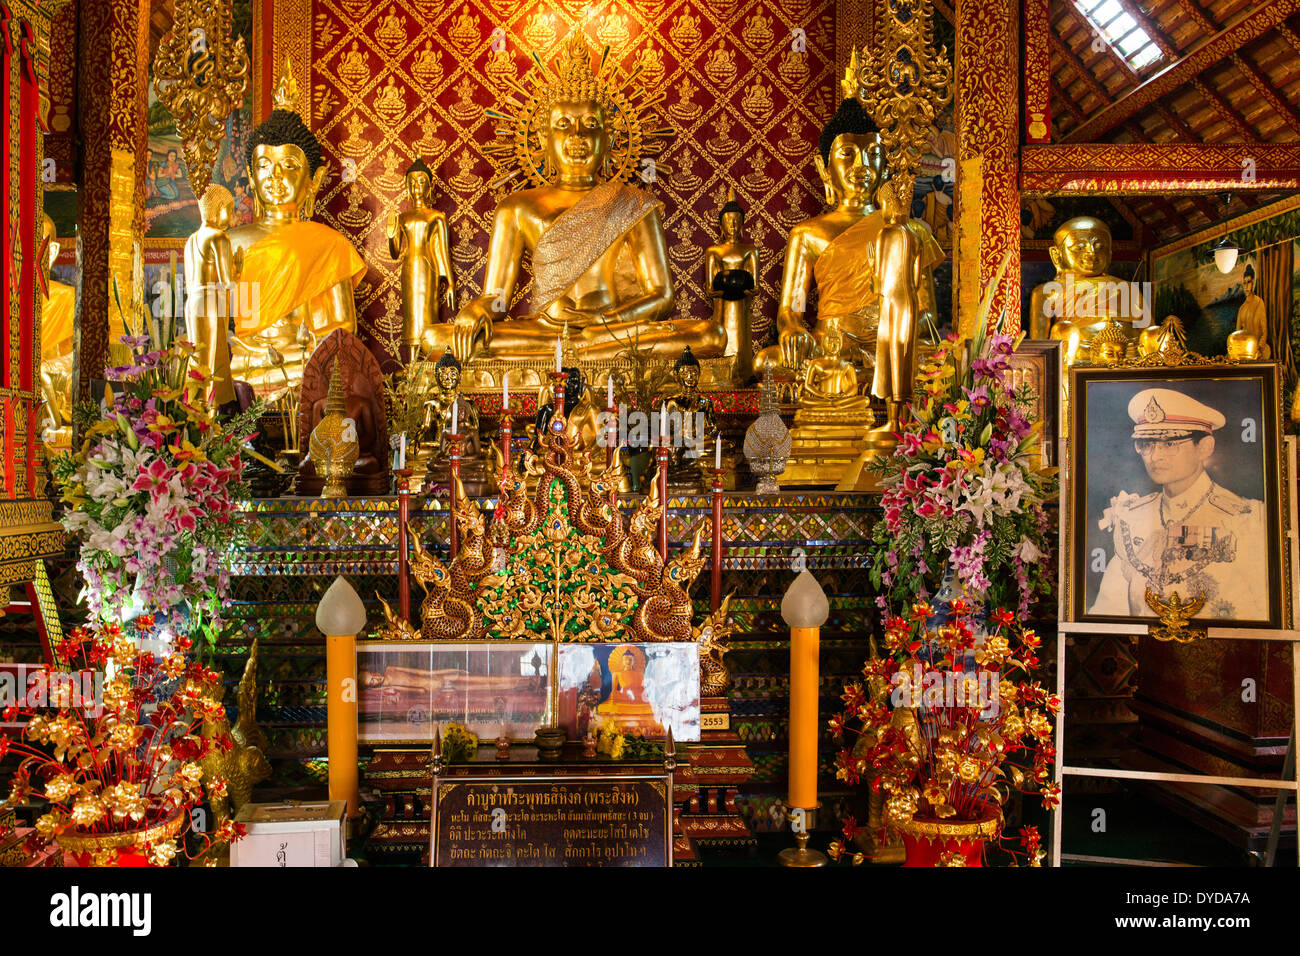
(216, 206)
(447, 372)
(285, 166)
(731, 217)
(1243, 346)
(1082, 245)
(419, 183)
(687, 370)
(851, 157)
(577, 141)
(832, 341)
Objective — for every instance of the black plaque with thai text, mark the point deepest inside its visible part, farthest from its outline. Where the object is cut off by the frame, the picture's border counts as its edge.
(560, 821)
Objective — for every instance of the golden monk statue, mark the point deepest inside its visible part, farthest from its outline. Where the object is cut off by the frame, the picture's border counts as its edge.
(626, 706)
(835, 250)
(731, 278)
(1075, 305)
(210, 273)
(697, 419)
(56, 345)
(299, 275)
(831, 419)
(420, 239)
(599, 256)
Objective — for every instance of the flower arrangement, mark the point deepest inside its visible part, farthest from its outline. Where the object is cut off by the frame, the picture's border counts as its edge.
(150, 492)
(117, 759)
(964, 491)
(616, 745)
(968, 724)
(458, 744)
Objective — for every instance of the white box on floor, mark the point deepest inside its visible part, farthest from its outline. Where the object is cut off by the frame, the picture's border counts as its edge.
(291, 834)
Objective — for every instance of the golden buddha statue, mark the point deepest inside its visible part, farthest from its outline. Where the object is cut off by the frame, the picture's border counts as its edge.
(447, 403)
(695, 415)
(210, 274)
(830, 420)
(1252, 320)
(598, 251)
(300, 274)
(731, 278)
(581, 418)
(420, 239)
(626, 706)
(56, 345)
(835, 250)
(1076, 305)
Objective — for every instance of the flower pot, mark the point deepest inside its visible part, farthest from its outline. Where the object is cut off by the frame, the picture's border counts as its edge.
(122, 848)
(932, 842)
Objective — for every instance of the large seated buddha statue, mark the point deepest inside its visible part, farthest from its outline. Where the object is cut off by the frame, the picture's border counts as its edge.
(835, 251)
(597, 246)
(56, 345)
(1084, 296)
(298, 275)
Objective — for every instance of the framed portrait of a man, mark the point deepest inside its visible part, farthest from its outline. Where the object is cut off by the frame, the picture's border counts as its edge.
(1175, 488)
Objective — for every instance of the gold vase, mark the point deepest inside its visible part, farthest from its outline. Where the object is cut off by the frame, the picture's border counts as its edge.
(333, 446)
(88, 849)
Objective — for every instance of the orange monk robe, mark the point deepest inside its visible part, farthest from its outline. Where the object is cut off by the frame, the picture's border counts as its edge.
(296, 264)
(845, 274)
(56, 321)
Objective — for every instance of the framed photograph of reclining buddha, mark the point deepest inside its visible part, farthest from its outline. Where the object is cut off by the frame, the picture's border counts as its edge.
(1175, 489)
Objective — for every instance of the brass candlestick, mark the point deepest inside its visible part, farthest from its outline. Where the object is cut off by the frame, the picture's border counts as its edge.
(801, 856)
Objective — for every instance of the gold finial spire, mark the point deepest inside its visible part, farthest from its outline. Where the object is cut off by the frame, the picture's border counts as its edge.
(286, 89)
(334, 401)
(849, 82)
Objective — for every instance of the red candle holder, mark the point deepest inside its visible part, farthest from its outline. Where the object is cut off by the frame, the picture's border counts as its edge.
(661, 460)
(403, 561)
(715, 596)
(453, 452)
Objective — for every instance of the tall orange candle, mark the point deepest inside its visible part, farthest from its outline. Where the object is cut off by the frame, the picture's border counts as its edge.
(805, 610)
(341, 616)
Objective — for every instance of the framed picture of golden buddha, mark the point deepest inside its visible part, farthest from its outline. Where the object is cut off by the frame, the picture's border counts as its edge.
(641, 690)
(1175, 489)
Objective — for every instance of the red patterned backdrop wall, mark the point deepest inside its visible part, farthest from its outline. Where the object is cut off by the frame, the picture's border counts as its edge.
(748, 85)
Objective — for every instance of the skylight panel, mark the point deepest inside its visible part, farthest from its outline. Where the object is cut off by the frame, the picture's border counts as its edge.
(1121, 30)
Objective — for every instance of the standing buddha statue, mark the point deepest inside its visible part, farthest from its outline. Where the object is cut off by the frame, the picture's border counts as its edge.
(835, 250)
(420, 239)
(731, 278)
(299, 274)
(210, 273)
(597, 245)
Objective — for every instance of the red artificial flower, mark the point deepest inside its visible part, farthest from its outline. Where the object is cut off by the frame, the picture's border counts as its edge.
(1002, 617)
(851, 828)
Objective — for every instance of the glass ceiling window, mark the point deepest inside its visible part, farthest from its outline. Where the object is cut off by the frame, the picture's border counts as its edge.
(1122, 31)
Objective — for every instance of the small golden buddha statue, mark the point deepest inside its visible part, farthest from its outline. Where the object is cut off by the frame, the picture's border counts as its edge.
(1076, 305)
(731, 276)
(834, 250)
(626, 706)
(57, 314)
(698, 420)
(831, 419)
(598, 251)
(210, 274)
(299, 274)
(420, 239)
(447, 404)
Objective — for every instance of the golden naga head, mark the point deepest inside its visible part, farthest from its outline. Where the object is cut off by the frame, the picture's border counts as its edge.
(1082, 245)
(578, 121)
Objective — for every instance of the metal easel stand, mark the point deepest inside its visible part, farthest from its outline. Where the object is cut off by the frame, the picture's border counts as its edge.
(1289, 782)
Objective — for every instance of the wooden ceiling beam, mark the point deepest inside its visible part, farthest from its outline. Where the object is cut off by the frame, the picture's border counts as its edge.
(1070, 106)
(1081, 71)
(1251, 25)
(1172, 215)
(1223, 109)
(1197, 15)
(1150, 168)
(1289, 35)
(1265, 91)
(1151, 28)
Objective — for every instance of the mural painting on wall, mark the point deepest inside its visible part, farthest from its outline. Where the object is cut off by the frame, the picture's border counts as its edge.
(171, 208)
(1260, 294)
(747, 88)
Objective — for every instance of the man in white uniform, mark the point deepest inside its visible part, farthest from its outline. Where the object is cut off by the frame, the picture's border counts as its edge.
(1193, 536)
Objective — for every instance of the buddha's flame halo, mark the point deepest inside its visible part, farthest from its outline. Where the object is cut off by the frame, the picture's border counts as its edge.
(519, 149)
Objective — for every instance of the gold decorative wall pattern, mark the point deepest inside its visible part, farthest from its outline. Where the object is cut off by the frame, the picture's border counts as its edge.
(748, 85)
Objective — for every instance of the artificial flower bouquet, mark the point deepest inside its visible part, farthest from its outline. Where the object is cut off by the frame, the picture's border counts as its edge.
(119, 761)
(150, 493)
(964, 492)
(967, 726)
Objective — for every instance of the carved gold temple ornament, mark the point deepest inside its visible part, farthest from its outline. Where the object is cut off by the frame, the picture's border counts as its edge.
(902, 84)
(201, 75)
